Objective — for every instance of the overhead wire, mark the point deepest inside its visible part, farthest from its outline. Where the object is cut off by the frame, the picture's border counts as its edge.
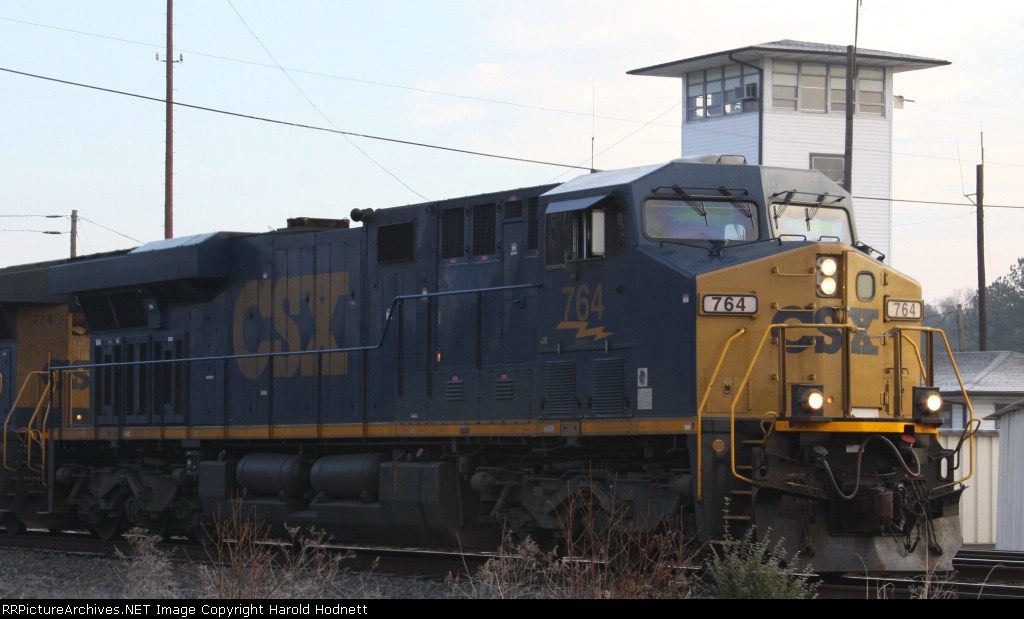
(344, 78)
(716, 131)
(80, 218)
(361, 151)
(294, 124)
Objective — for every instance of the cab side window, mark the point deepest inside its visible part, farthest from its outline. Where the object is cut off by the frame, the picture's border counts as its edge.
(583, 229)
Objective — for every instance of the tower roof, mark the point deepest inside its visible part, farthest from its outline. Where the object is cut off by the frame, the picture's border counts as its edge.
(792, 51)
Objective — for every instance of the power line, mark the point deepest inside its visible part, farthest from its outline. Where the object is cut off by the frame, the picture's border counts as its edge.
(109, 229)
(408, 142)
(462, 96)
(64, 232)
(39, 231)
(347, 79)
(321, 112)
(293, 124)
(1014, 206)
(33, 215)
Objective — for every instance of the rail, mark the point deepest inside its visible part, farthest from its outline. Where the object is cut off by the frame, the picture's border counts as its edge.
(897, 378)
(963, 390)
(703, 405)
(390, 317)
(33, 430)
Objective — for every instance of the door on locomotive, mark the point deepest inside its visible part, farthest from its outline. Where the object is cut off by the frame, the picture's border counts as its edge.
(582, 327)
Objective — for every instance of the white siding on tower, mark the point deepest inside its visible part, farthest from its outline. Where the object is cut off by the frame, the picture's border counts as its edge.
(791, 137)
(726, 135)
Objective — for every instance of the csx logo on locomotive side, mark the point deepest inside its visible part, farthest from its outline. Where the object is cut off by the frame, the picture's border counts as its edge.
(829, 341)
(300, 311)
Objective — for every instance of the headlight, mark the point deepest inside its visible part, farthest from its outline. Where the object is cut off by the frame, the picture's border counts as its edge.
(807, 399)
(827, 276)
(828, 286)
(927, 400)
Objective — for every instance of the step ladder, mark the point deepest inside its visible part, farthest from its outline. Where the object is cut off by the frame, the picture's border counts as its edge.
(30, 441)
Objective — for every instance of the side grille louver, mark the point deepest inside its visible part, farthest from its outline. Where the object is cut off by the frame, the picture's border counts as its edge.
(560, 387)
(608, 387)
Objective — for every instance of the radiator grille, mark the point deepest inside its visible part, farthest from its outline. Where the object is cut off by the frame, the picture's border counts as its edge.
(560, 387)
(608, 387)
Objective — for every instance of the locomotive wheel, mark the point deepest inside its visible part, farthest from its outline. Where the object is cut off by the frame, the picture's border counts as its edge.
(202, 531)
(13, 524)
(109, 528)
(202, 536)
(161, 527)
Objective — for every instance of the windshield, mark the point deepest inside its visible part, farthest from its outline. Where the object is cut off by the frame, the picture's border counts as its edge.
(798, 222)
(674, 220)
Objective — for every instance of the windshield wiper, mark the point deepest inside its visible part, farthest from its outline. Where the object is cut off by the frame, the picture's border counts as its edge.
(809, 214)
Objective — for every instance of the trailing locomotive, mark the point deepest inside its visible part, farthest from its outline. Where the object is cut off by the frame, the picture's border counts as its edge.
(662, 345)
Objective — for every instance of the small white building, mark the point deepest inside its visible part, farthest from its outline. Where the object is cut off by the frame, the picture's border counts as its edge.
(994, 380)
(784, 104)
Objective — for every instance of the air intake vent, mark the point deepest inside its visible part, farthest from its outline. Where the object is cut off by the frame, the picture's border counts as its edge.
(560, 388)
(608, 387)
(455, 390)
(504, 388)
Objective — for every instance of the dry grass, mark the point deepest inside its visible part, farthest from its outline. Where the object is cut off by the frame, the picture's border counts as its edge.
(148, 572)
(602, 557)
(244, 562)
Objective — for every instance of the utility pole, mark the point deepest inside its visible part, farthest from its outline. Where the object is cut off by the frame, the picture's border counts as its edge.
(169, 154)
(960, 327)
(982, 309)
(74, 232)
(851, 103)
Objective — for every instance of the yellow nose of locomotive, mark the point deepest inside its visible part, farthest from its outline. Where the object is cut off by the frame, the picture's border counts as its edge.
(833, 337)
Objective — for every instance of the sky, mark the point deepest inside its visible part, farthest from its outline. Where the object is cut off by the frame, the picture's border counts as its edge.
(271, 92)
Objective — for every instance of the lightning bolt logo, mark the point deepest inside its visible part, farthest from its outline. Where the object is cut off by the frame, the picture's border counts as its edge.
(584, 330)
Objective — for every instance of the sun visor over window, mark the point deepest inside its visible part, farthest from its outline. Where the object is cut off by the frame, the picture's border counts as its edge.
(565, 206)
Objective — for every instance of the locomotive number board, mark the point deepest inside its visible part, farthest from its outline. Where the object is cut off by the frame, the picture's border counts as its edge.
(900, 309)
(729, 304)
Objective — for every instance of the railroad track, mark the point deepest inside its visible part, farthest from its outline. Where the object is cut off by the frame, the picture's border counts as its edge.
(978, 574)
(1007, 563)
(391, 560)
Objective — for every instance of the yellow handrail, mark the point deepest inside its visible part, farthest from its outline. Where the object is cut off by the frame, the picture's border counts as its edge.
(750, 369)
(963, 391)
(10, 414)
(917, 353)
(34, 433)
(736, 399)
(846, 327)
(700, 411)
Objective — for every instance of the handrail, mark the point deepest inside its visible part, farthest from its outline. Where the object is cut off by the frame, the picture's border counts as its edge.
(963, 391)
(34, 433)
(735, 400)
(847, 327)
(389, 316)
(700, 411)
(917, 353)
(10, 414)
(753, 361)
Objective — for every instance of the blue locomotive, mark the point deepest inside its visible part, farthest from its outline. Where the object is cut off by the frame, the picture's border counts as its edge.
(662, 345)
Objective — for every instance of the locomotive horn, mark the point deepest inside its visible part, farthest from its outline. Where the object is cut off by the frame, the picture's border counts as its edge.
(362, 214)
